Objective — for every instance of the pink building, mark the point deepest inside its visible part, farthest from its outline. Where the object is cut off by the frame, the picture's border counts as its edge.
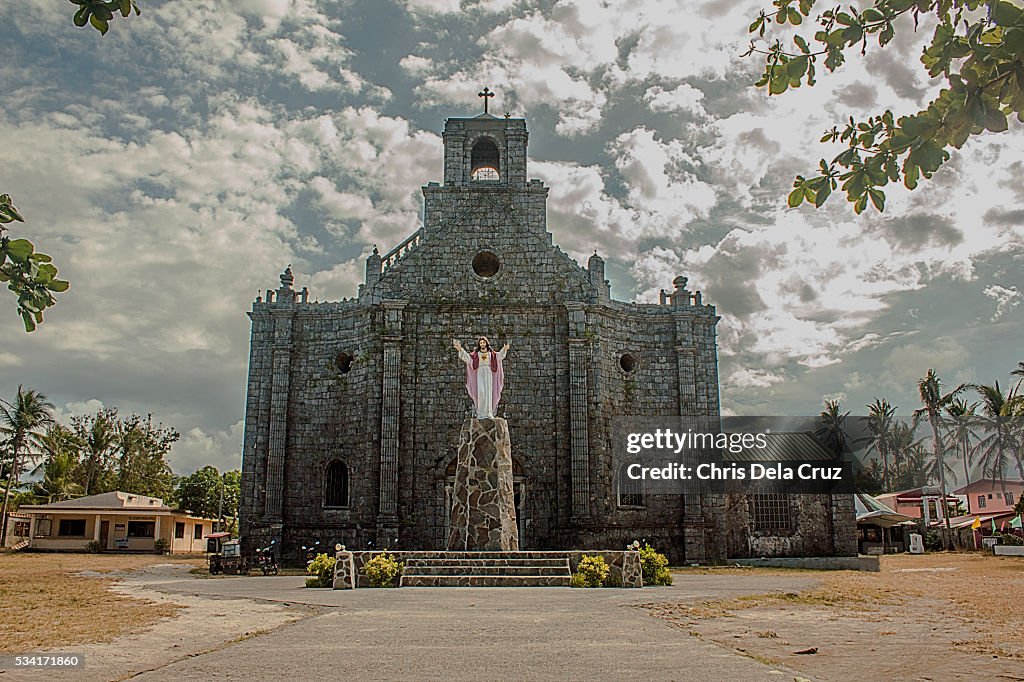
(920, 503)
(991, 497)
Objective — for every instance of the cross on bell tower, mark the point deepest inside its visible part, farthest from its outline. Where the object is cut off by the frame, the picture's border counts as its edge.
(486, 94)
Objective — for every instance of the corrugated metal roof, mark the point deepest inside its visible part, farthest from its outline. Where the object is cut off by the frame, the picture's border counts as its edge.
(783, 447)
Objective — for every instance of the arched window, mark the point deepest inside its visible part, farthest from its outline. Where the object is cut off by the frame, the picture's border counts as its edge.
(486, 160)
(336, 493)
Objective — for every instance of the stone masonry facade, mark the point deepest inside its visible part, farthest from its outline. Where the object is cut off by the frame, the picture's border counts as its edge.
(354, 408)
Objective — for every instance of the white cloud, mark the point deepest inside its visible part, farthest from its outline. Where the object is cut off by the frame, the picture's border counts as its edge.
(1006, 299)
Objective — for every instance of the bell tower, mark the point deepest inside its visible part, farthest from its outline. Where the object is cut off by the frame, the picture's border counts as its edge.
(485, 150)
(484, 170)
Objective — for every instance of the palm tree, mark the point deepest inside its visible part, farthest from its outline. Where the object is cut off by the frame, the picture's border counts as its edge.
(58, 469)
(833, 427)
(880, 424)
(935, 401)
(905, 450)
(961, 424)
(20, 422)
(99, 435)
(1001, 415)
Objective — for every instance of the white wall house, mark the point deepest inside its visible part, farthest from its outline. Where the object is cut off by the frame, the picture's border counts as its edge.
(118, 521)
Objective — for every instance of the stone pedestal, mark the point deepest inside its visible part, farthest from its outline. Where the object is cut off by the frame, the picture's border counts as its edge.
(483, 514)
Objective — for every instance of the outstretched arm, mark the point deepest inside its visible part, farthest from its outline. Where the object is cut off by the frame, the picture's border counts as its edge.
(504, 351)
(463, 355)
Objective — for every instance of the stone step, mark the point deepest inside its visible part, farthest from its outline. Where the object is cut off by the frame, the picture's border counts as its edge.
(462, 555)
(474, 561)
(562, 570)
(485, 581)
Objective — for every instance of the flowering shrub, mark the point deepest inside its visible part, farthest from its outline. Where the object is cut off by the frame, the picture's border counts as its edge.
(654, 566)
(592, 572)
(321, 571)
(383, 570)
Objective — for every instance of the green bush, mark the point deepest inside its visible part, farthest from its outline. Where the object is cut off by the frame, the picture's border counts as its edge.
(383, 570)
(613, 580)
(94, 546)
(592, 572)
(322, 571)
(654, 566)
(160, 546)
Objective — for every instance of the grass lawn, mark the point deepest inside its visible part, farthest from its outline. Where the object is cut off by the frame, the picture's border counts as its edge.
(45, 605)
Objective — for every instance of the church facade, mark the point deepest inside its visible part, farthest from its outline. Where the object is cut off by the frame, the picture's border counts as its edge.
(354, 407)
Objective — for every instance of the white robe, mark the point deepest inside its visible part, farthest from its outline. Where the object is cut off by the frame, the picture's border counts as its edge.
(484, 375)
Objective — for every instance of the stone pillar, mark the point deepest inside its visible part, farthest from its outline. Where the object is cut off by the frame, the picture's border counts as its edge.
(279, 390)
(579, 441)
(387, 517)
(345, 577)
(483, 514)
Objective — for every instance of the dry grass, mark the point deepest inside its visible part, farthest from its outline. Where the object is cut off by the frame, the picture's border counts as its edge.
(44, 605)
(981, 591)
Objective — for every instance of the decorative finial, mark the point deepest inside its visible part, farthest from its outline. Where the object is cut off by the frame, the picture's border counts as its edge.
(375, 253)
(508, 114)
(486, 94)
(287, 279)
(680, 282)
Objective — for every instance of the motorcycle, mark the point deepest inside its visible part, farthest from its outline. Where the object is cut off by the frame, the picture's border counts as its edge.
(311, 552)
(265, 560)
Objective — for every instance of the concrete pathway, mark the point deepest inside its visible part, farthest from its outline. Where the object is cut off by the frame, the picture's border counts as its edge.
(473, 633)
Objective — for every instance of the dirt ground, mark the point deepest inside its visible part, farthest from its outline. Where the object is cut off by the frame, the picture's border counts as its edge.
(111, 609)
(33, 585)
(932, 617)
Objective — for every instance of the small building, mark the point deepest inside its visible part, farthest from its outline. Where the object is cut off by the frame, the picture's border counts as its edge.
(880, 530)
(118, 521)
(920, 503)
(991, 497)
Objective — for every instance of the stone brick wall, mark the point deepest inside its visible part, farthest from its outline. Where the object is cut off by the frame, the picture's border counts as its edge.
(394, 417)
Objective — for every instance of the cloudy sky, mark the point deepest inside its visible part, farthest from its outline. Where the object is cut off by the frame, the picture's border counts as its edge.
(174, 167)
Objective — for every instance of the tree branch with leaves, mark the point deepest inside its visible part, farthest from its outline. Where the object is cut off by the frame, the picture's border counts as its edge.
(978, 46)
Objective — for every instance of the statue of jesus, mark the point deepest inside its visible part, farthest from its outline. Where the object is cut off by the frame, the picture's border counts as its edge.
(485, 375)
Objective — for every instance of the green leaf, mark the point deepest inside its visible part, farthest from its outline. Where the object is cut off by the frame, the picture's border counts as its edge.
(796, 197)
(995, 120)
(860, 204)
(1007, 14)
(19, 249)
(126, 7)
(794, 17)
(82, 16)
(796, 68)
(822, 194)
(877, 198)
(58, 285)
(777, 85)
(802, 44)
(46, 274)
(30, 324)
(99, 24)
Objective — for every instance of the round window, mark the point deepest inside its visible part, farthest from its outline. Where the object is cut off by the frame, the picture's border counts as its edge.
(627, 362)
(343, 361)
(486, 264)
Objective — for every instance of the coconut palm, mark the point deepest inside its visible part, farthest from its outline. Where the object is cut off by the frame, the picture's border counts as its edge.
(99, 435)
(880, 424)
(20, 422)
(832, 431)
(962, 424)
(1001, 418)
(935, 401)
(58, 469)
(909, 467)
